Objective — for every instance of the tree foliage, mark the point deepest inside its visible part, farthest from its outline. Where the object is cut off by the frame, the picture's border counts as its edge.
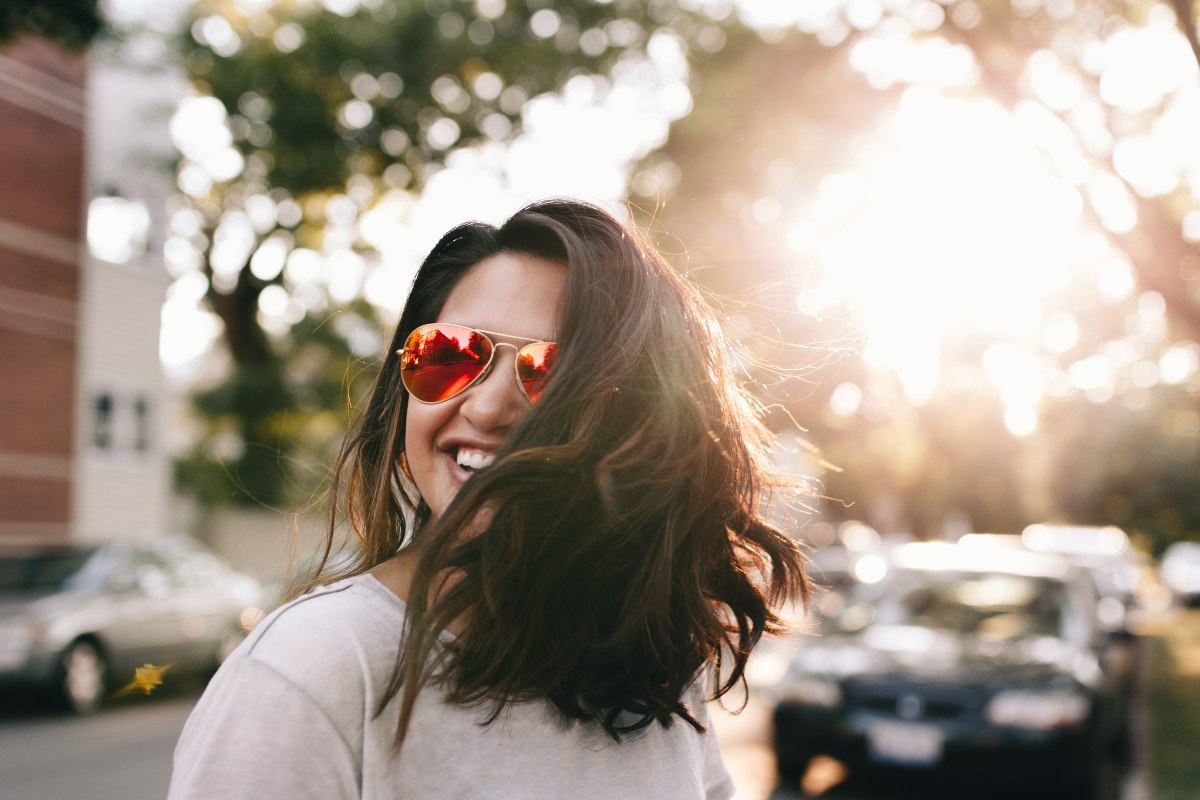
(330, 112)
(751, 163)
(327, 113)
(325, 361)
(71, 23)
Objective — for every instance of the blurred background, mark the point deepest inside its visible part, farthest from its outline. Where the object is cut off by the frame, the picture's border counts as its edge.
(957, 242)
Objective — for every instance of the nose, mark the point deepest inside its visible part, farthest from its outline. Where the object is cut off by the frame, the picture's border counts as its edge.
(496, 403)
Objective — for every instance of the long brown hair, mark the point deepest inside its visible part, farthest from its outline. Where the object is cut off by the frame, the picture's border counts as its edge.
(624, 548)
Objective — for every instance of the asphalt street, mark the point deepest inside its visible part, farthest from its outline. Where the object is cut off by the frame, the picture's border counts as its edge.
(120, 753)
(124, 753)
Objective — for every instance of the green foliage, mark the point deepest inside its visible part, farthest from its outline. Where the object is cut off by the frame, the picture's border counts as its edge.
(1133, 461)
(412, 63)
(325, 107)
(271, 430)
(71, 23)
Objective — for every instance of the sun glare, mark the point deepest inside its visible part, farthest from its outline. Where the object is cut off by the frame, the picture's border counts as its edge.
(953, 221)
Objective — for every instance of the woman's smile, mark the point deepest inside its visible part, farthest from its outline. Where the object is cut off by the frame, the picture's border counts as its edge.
(473, 460)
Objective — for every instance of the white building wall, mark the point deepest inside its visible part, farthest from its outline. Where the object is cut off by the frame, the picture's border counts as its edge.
(122, 477)
(123, 474)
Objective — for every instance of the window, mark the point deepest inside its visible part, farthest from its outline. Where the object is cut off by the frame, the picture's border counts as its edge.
(141, 424)
(102, 421)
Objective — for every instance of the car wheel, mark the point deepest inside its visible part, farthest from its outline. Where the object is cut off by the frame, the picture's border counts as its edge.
(84, 677)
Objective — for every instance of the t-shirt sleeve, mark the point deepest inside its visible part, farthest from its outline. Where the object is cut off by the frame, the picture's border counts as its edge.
(256, 734)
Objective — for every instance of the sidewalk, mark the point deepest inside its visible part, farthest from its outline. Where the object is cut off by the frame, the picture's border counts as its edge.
(1172, 731)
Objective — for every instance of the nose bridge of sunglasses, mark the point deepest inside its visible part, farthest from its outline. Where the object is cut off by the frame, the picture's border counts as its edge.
(494, 357)
(523, 383)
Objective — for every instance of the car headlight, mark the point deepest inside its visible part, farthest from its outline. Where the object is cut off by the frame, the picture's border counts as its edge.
(806, 690)
(16, 639)
(1037, 709)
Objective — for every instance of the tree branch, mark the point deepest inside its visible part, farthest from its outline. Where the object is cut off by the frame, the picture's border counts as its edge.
(1183, 13)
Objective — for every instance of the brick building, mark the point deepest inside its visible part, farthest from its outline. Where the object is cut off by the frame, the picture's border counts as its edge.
(42, 119)
(81, 388)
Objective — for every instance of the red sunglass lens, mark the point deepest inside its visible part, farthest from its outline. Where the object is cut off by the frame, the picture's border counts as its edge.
(534, 364)
(439, 361)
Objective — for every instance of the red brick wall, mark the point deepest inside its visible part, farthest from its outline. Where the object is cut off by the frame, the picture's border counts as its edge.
(50, 278)
(42, 168)
(41, 227)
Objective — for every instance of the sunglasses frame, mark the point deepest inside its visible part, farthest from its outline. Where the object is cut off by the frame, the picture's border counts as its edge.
(487, 368)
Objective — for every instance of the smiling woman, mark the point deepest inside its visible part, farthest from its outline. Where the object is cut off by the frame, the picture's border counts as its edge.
(559, 555)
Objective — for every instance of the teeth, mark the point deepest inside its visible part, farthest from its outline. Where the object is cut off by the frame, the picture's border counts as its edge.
(474, 459)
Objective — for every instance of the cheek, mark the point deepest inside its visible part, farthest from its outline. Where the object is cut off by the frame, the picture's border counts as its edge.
(417, 434)
(421, 424)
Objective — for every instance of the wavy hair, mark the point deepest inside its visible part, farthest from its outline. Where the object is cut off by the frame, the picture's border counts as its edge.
(623, 547)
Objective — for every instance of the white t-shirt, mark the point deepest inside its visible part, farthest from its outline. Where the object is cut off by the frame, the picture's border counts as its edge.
(289, 715)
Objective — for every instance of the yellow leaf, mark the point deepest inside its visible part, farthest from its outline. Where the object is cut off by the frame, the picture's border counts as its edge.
(145, 679)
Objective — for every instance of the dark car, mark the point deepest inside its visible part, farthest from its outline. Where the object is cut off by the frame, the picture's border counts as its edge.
(979, 664)
(79, 619)
(1110, 568)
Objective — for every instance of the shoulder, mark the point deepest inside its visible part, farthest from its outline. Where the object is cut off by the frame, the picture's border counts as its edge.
(315, 664)
(341, 632)
(283, 717)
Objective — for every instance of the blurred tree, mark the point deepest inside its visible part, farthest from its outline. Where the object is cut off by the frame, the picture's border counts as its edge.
(330, 358)
(760, 187)
(311, 116)
(71, 23)
(1132, 463)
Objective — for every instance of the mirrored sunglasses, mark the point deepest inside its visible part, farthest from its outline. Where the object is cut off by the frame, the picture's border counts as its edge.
(440, 360)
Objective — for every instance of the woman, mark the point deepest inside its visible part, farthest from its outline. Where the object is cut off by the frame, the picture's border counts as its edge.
(554, 493)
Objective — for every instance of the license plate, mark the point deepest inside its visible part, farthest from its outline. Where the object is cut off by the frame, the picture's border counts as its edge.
(904, 743)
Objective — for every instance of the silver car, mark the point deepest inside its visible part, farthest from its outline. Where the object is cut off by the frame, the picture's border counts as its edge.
(80, 619)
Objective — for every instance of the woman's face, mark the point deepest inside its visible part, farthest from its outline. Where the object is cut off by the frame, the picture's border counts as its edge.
(508, 293)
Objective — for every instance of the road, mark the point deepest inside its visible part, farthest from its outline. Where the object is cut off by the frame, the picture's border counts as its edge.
(124, 753)
(121, 753)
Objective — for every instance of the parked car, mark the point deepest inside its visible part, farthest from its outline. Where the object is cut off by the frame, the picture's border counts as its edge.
(1180, 570)
(978, 664)
(79, 619)
(1112, 569)
(1105, 552)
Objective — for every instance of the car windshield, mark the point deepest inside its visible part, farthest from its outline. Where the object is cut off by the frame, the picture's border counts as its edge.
(989, 604)
(41, 570)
